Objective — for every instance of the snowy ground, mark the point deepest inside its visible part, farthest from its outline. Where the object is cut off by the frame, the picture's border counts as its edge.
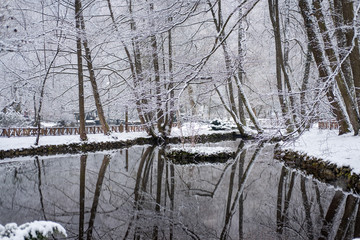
(343, 150)
(325, 144)
(188, 129)
(204, 150)
(28, 142)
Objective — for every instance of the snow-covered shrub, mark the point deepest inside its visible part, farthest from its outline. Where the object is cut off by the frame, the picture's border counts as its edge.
(219, 125)
(12, 119)
(30, 231)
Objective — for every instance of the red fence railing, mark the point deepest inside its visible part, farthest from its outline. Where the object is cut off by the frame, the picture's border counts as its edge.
(328, 124)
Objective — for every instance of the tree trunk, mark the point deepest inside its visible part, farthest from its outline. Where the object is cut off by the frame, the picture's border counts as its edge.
(338, 21)
(99, 108)
(352, 43)
(304, 88)
(42, 92)
(171, 110)
(191, 100)
(241, 71)
(155, 62)
(319, 58)
(228, 61)
(281, 68)
(83, 136)
(334, 64)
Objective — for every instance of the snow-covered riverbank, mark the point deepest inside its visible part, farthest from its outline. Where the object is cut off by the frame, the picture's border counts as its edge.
(28, 142)
(326, 144)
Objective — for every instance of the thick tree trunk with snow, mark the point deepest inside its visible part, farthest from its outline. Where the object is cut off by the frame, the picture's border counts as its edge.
(352, 44)
(338, 21)
(351, 108)
(319, 58)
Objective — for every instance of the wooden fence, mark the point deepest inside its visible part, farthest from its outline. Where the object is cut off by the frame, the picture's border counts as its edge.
(328, 124)
(57, 131)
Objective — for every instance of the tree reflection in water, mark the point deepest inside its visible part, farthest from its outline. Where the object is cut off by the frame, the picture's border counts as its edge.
(137, 193)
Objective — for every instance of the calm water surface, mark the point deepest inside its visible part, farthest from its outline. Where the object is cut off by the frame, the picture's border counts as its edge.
(137, 193)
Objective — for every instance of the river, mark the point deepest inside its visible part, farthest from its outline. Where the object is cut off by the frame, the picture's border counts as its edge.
(137, 193)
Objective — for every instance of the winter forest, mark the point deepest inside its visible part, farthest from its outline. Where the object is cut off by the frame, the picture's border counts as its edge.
(159, 62)
(180, 119)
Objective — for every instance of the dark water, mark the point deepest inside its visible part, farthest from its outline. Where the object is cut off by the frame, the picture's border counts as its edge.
(138, 194)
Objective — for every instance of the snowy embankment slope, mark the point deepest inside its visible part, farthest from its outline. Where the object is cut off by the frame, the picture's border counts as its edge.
(326, 144)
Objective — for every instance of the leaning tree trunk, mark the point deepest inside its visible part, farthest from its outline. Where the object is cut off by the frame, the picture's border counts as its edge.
(99, 108)
(319, 58)
(94, 86)
(351, 108)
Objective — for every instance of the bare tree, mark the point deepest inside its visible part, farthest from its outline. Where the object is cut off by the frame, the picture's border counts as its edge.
(281, 67)
(231, 106)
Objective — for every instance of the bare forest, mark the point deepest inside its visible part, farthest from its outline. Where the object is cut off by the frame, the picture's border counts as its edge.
(255, 63)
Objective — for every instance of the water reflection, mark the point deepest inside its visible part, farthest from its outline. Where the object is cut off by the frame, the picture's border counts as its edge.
(138, 194)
